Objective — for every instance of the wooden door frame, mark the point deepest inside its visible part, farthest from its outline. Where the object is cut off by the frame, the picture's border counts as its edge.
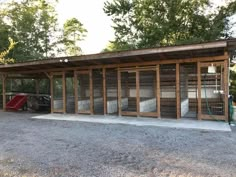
(62, 74)
(199, 82)
(89, 73)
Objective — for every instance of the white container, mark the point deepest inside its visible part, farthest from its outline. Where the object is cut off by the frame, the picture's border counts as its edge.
(234, 115)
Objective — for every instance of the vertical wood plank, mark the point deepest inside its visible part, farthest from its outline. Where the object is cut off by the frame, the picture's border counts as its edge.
(119, 91)
(91, 91)
(76, 92)
(51, 92)
(199, 99)
(4, 92)
(104, 91)
(137, 92)
(178, 102)
(158, 92)
(226, 87)
(64, 91)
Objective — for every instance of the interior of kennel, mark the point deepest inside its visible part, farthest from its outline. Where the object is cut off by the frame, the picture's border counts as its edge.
(70, 96)
(111, 91)
(84, 92)
(188, 90)
(212, 90)
(168, 100)
(58, 94)
(97, 81)
(128, 92)
(138, 91)
(148, 91)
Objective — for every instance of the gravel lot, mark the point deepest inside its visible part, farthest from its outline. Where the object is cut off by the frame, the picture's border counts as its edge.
(45, 148)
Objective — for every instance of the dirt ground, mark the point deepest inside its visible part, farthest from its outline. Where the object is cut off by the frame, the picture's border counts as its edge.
(49, 148)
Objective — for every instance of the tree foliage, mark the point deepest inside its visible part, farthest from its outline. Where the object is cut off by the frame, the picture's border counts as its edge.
(73, 32)
(151, 23)
(34, 25)
(3, 54)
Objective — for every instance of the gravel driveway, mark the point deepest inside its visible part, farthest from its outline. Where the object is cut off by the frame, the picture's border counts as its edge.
(40, 148)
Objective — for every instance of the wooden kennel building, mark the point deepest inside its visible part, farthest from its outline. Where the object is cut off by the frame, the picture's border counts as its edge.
(185, 81)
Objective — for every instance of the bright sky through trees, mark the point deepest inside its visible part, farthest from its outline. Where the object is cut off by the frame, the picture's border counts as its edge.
(90, 13)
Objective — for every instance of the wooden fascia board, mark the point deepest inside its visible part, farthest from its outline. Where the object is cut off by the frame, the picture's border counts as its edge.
(124, 54)
(186, 60)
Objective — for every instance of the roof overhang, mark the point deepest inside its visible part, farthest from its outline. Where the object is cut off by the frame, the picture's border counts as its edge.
(152, 54)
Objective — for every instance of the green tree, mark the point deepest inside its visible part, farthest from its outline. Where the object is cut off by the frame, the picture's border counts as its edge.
(32, 23)
(151, 23)
(73, 32)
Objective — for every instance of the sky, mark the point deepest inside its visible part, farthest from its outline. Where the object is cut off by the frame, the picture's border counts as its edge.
(90, 14)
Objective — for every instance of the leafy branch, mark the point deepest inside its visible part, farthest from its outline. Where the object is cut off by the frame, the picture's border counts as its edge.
(3, 59)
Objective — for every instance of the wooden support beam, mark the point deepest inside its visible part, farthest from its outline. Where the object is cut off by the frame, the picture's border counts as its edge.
(76, 92)
(199, 90)
(91, 91)
(104, 91)
(226, 88)
(119, 91)
(158, 92)
(64, 91)
(137, 92)
(178, 101)
(47, 74)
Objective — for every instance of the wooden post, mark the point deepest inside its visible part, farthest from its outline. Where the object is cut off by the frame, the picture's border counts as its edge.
(199, 99)
(158, 92)
(178, 101)
(76, 92)
(104, 91)
(137, 92)
(226, 88)
(51, 92)
(119, 91)
(91, 91)
(4, 92)
(64, 91)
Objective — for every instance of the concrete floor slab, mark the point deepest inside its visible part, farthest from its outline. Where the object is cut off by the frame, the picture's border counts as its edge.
(171, 123)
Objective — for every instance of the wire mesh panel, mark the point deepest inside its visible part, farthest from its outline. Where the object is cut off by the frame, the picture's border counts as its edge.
(57, 93)
(168, 90)
(44, 86)
(212, 90)
(20, 85)
(111, 91)
(70, 98)
(188, 90)
(83, 92)
(147, 91)
(98, 105)
(128, 91)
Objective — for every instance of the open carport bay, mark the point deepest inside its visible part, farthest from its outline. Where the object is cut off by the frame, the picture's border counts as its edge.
(40, 148)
